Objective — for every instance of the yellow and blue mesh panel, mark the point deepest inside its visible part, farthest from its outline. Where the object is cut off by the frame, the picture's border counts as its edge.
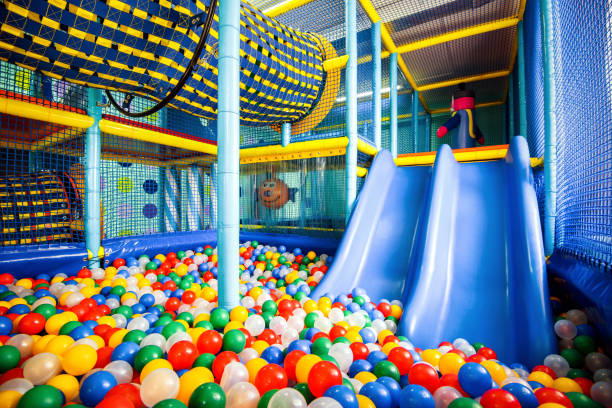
(142, 47)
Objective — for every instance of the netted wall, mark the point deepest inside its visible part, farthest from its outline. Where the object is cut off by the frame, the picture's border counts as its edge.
(583, 86)
(534, 85)
(491, 121)
(296, 196)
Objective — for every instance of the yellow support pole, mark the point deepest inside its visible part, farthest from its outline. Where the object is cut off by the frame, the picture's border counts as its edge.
(299, 150)
(460, 156)
(29, 110)
(284, 7)
(152, 136)
(456, 35)
(473, 78)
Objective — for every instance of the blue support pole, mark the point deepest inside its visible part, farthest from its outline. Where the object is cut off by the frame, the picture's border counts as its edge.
(351, 104)
(286, 134)
(228, 131)
(428, 130)
(376, 84)
(415, 119)
(510, 107)
(393, 103)
(550, 128)
(521, 79)
(93, 154)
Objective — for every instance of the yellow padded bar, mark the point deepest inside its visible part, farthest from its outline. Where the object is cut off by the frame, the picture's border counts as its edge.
(152, 136)
(480, 105)
(473, 78)
(366, 148)
(285, 7)
(362, 171)
(334, 64)
(44, 113)
(299, 150)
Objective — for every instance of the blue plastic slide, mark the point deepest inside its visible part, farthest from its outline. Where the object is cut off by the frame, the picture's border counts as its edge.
(461, 245)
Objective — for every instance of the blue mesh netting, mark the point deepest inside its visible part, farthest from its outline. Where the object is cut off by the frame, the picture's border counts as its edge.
(583, 85)
(533, 79)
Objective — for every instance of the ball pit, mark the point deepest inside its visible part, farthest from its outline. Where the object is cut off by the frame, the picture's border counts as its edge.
(147, 332)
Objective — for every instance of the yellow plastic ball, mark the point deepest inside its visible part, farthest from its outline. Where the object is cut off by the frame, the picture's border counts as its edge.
(365, 377)
(255, 292)
(117, 337)
(566, 385)
(201, 318)
(55, 323)
(396, 311)
(497, 371)
(541, 377)
(310, 306)
(9, 398)
(231, 326)
(253, 366)
(325, 301)
(551, 405)
(109, 320)
(79, 359)
(59, 345)
(431, 356)
(239, 314)
(25, 283)
(195, 333)
(325, 309)
(41, 344)
(304, 365)
(154, 365)
(450, 363)
(97, 339)
(388, 347)
(353, 337)
(259, 346)
(67, 384)
(209, 294)
(191, 380)
(365, 402)
(383, 334)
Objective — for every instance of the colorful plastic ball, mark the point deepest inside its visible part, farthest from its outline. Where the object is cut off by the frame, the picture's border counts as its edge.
(159, 385)
(79, 359)
(378, 393)
(129, 392)
(304, 366)
(42, 396)
(424, 375)
(147, 354)
(222, 360)
(209, 395)
(386, 369)
(125, 352)
(210, 342)
(269, 377)
(322, 376)
(234, 340)
(474, 379)
(343, 395)
(191, 380)
(170, 403)
(394, 388)
(9, 398)
(450, 363)
(497, 398)
(523, 394)
(95, 387)
(416, 396)
(464, 403)
(601, 392)
(182, 355)
(9, 358)
(31, 323)
(40, 368)
(219, 318)
(550, 395)
(6, 326)
(67, 384)
(580, 400)
(402, 359)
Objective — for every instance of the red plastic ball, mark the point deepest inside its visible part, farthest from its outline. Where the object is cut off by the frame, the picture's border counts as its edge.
(116, 401)
(546, 394)
(182, 355)
(475, 358)
(104, 356)
(268, 336)
(32, 323)
(487, 353)
(402, 359)
(188, 297)
(499, 399)
(360, 351)
(547, 370)
(210, 342)
(119, 262)
(337, 331)
(16, 372)
(6, 278)
(130, 391)
(459, 353)
(290, 363)
(172, 304)
(585, 384)
(424, 375)
(385, 309)
(222, 360)
(84, 273)
(271, 377)
(322, 376)
(452, 380)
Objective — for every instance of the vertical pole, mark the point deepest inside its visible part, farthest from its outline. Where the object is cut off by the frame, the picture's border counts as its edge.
(393, 103)
(550, 128)
(521, 79)
(377, 84)
(351, 104)
(428, 130)
(93, 153)
(415, 119)
(510, 109)
(286, 134)
(161, 190)
(228, 131)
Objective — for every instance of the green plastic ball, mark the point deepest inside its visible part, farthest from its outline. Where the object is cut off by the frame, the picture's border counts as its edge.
(42, 396)
(386, 368)
(125, 311)
(150, 266)
(9, 358)
(477, 346)
(180, 254)
(204, 360)
(305, 391)
(310, 319)
(170, 403)
(46, 310)
(234, 340)
(205, 324)
(186, 316)
(464, 403)
(321, 346)
(582, 401)
(585, 344)
(118, 290)
(146, 354)
(265, 399)
(360, 300)
(219, 318)
(573, 357)
(208, 395)
(68, 327)
(135, 336)
(577, 373)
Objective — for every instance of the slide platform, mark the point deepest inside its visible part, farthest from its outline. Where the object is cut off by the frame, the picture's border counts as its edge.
(460, 244)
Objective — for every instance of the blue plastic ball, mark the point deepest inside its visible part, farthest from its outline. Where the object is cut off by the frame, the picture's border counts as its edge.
(393, 387)
(81, 332)
(376, 357)
(95, 387)
(368, 335)
(6, 325)
(416, 396)
(273, 355)
(358, 366)
(303, 345)
(344, 395)
(126, 352)
(475, 379)
(378, 393)
(535, 385)
(523, 394)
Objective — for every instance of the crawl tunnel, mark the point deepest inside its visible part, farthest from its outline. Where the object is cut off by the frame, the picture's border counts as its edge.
(143, 47)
